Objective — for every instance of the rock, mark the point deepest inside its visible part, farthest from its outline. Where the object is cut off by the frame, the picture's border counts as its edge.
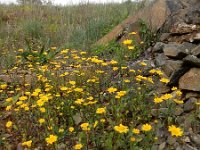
(190, 80)
(190, 105)
(19, 146)
(179, 148)
(191, 60)
(195, 138)
(173, 6)
(154, 16)
(196, 37)
(158, 47)
(171, 66)
(189, 147)
(162, 89)
(61, 146)
(160, 60)
(183, 28)
(174, 51)
(186, 139)
(164, 37)
(190, 95)
(162, 146)
(178, 111)
(171, 140)
(174, 79)
(77, 118)
(193, 16)
(196, 51)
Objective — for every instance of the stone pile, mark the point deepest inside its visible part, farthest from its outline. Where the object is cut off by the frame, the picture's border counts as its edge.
(178, 56)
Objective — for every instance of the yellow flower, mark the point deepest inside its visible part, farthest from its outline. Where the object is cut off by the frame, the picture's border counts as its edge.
(133, 33)
(112, 90)
(127, 81)
(113, 62)
(3, 86)
(79, 101)
(78, 146)
(63, 88)
(158, 100)
(175, 131)
(131, 47)
(41, 121)
(174, 88)
(166, 96)
(146, 127)
(127, 42)
(178, 93)
(22, 98)
(51, 139)
(71, 129)
(102, 120)
(61, 130)
(72, 82)
(27, 143)
(115, 68)
(9, 124)
(95, 124)
(136, 131)
(121, 128)
(178, 101)
(164, 80)
(132, 139)
(8, 108)
(120, 94)
(40, 102)
(42, 109)
(9, 99)
(78, 90)
(101, 110)
(85, 126)
(143, 64)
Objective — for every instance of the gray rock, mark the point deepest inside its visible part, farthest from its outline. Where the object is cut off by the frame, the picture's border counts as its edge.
(171, 66)
(173, 6)
(191, 94)
(171, 140)
(196, 51)
(189, 147)
(174, 79)
(190, 105)
(193, 16)
(174, 51)
(61, 146)
(179, 148)
(19, 146)
(186, 139)
(195, 138)
(191, 60)
(160, 60)
(162, 146)
(190, 80)
(178, 111)
(158, 47)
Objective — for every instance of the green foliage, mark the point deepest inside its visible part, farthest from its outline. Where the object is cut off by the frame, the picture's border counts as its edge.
(33, 29)
(43, 55)
(148, 36)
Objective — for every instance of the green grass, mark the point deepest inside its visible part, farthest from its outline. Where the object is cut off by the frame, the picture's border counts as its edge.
(74, 26)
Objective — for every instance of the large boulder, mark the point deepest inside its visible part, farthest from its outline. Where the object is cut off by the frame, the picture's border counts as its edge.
(190, 80)
(154, 15)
